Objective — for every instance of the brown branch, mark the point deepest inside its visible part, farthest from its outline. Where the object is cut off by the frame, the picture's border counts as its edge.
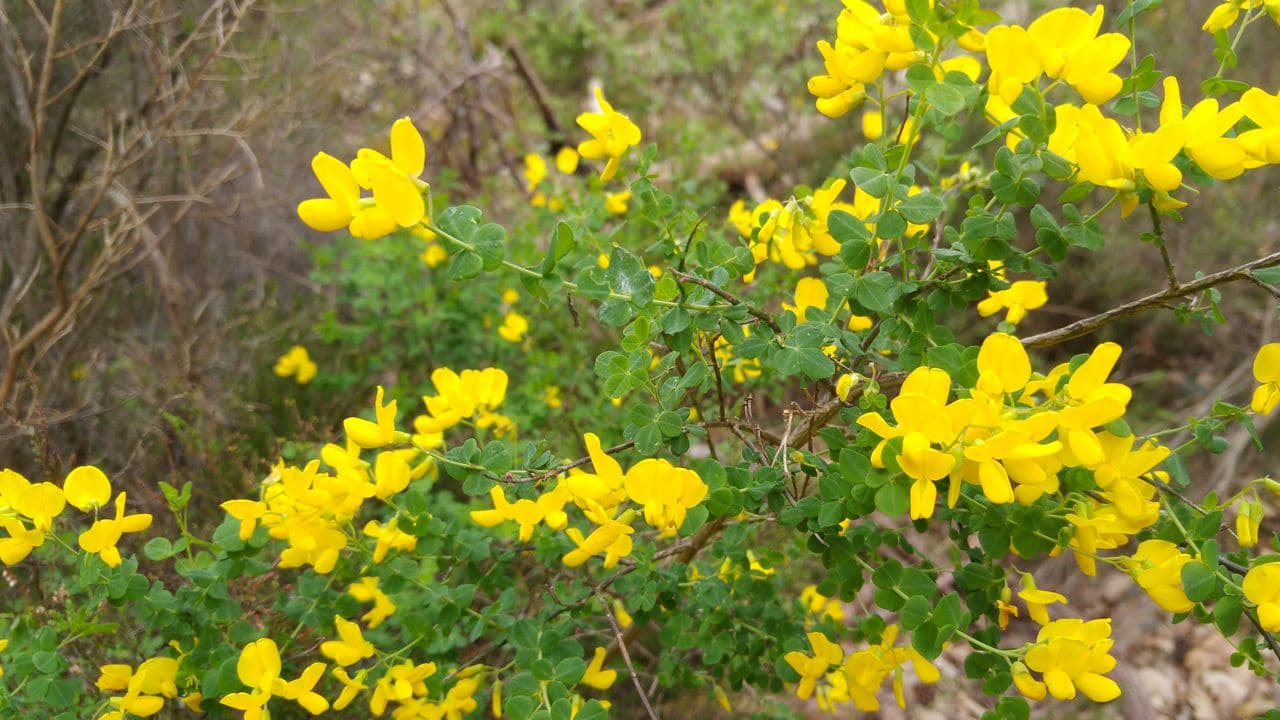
(536, 88)
(1154, 300)
(724, 294)
(626, 656)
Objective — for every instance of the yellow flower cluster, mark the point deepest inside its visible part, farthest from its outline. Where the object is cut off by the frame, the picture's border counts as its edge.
(37, 505)
(663, 491)
(145, 689)
(535, 174)
(1065, 46)
(1020, 297)
(472, 395)
(857, 678)
(1009, 441)
(1071, 655)
(795, 233)
(396, 191)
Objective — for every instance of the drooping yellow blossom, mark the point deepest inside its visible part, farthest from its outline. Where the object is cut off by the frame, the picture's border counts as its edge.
(611, 134)
(1249, 513)
(596, 675)
(866, 670)
(1157, 567)
(351, 686)
(1072, 655)
(548, 508)
(1262, 588)
(102, 536)
(1038, 600)
(350, 648)
(296, 364)
(1266, 370)
(388, 537)
(811, 668)
(1225, 14)
(1017, 299)
(366, 591)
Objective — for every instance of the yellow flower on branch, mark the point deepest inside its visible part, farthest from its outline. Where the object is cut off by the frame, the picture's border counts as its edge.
(1266, 370)
(611, 134)
(102, 536)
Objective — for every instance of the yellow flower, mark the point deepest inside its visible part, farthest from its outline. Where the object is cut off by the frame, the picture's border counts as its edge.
(1073, 655)
(297, 364)
(866, 670)
(1157, 567)
(258, 669)
(666, 492)
(810, 292)
(367, 591)
(513, 328)
(873, 124)
(389, 537)
(611, 134)
(535, 171)
(302, 690)
(922, 463)
(370, 435)
(350, 648)
(401, 682)
(102, 536)
(1262, 588)
(351, 687)
(1038, 600)
(1266, 370)
(820, 605)
(1248, 519)
(826, 654)
(551, 396)
(1017, 299)
(567, 160)
(86, 488)
(616, 203)
(596, 676)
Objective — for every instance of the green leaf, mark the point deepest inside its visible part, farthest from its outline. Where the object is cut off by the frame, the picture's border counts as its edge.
(561, 244)
(815, 365)
(158, 548)
(47, 662)
(490, 243)
(1226, 614)
(922, 207)
(876, 291)
(945, 98)
(1198, 581)
(893, 500)
(1270, 276)
(628, 276)
(465, 266)
(914, 612)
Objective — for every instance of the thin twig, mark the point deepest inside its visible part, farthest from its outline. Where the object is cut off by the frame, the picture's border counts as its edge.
(760, 315)
(1154, 300)
(626, 656)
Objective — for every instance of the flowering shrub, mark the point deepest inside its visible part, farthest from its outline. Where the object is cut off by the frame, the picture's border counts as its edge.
(477, 557)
